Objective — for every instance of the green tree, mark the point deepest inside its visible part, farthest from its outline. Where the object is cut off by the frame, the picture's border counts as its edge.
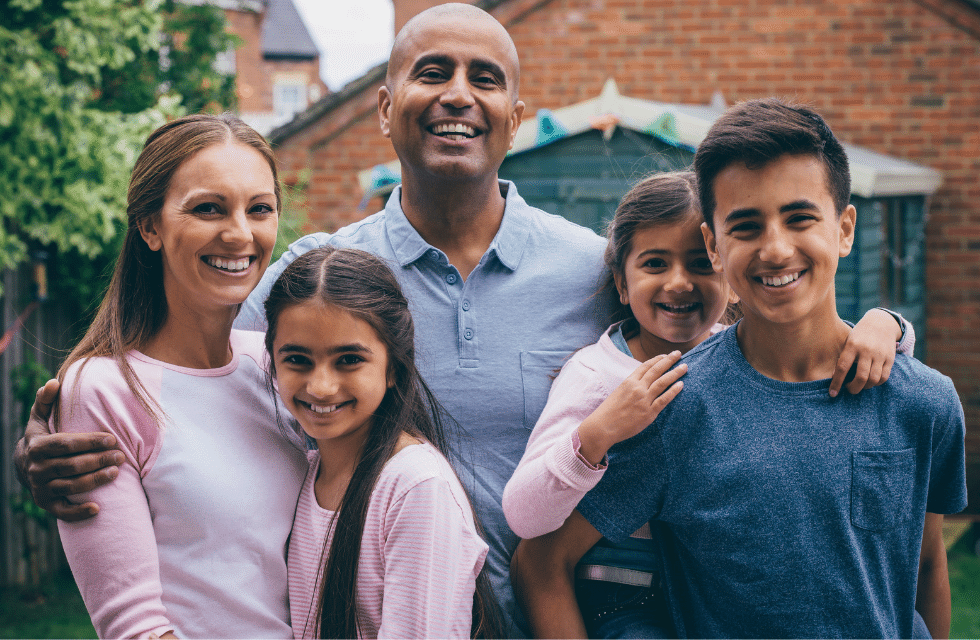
(81, 85)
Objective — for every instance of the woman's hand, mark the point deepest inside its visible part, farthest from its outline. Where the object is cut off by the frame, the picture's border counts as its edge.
(635, 403)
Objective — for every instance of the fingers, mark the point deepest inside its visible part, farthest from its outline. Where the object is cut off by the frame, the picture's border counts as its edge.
(56, 445)
(41, 409)
(64, 510)
(44, 468)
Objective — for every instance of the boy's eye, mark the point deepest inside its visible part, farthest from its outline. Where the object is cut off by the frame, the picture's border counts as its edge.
(801, 218)
(744, 228)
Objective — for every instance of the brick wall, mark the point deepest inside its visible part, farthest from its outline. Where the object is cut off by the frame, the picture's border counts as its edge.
(901, 77)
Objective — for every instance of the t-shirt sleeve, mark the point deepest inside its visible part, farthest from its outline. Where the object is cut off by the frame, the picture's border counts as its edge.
(633, 489)
(113, 555)
(432, 557)
(947, 477)
(552, 476)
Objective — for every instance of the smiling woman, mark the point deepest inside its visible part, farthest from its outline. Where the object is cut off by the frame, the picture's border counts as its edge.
(162, 371)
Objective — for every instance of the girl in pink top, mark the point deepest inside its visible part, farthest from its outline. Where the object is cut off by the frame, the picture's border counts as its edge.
(384, 542)
(672, 300)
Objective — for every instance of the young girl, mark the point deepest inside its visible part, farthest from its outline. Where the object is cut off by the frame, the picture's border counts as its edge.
(672, 301)
(384, 542)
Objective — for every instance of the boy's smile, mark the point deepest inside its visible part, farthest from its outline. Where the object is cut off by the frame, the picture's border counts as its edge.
(778, 237)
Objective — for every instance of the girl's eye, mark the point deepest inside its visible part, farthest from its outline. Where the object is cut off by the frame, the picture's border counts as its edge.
(702, 265)
(350, 359)
(296, 360)
(655, 263)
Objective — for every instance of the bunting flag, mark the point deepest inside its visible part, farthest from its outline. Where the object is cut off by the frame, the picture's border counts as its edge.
(549, 129)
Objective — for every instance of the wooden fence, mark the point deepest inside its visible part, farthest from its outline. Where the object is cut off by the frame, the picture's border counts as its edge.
(29, 544)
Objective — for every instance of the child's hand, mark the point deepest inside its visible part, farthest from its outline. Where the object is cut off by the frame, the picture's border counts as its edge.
(868, 354)
(635, 403)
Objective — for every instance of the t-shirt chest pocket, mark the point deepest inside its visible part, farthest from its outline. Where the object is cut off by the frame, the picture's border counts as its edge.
(882, 483)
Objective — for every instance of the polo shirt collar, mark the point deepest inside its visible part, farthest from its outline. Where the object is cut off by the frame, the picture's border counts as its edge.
(508, 245)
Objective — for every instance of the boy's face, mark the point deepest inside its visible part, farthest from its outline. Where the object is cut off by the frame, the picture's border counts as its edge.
(777, 237)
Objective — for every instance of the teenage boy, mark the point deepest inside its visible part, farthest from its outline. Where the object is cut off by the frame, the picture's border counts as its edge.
(782, 512)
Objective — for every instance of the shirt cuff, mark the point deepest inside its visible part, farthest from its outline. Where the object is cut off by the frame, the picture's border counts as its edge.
(577, 449)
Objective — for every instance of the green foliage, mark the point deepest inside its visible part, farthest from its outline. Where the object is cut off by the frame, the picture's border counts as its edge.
(52, 610)
(82, 86)
(27, 378)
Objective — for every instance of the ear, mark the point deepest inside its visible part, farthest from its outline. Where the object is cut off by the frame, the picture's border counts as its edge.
(149, 234)
(709, 244)
(847, 222)
(624, 296)
(384, 111)
(516, 117)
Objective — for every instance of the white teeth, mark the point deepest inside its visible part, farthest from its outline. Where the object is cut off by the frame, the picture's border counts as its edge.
(778, 281)
(679, 308)
(457, 129)
(229, 265)
(318, 408)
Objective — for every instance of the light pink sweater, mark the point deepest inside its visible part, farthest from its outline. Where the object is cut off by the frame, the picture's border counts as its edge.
(420, 553)
(191, 536)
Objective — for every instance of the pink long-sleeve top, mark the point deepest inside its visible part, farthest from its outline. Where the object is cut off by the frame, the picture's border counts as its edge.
(420, 552)
(553, 476)
(191, 536)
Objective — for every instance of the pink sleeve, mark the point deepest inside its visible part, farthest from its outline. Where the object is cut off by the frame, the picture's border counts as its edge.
(113, 555)
(552, 476)
(432, 556)
(907, 344)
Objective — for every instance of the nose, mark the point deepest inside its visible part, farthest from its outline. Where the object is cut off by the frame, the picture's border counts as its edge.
(776, 245)
(322, 383)
(457, 92)
(237, 229)
(678, 280)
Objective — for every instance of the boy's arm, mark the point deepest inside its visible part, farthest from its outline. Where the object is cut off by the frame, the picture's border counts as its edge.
(932, 598)
(543, 574)
(869, 352)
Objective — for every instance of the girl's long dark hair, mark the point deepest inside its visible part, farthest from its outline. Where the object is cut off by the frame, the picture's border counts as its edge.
(365, 287)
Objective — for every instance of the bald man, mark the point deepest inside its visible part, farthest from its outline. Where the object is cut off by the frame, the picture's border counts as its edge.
(501, 292)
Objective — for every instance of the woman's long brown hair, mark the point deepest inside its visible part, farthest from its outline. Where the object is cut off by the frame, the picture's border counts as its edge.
(135, 307)
(364, 286)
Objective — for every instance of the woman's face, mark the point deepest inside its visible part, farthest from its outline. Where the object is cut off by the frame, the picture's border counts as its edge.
(217, 228)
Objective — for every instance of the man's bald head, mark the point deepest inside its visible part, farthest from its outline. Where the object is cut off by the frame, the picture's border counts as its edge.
(412, 36)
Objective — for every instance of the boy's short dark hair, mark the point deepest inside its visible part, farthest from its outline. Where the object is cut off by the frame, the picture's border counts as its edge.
(760, 131)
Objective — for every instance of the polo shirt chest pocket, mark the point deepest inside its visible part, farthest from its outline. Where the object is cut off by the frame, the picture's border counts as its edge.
(538, 371)
(882, 483)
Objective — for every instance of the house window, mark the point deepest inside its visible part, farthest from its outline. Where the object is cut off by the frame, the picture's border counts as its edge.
(288, 98)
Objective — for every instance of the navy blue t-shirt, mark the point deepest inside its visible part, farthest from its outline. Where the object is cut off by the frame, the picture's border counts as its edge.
(784, 512)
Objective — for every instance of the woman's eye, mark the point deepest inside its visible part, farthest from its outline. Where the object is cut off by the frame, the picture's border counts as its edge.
(262, 209)
(207, 209)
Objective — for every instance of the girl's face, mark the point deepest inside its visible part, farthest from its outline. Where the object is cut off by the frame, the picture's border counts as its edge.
(217, 228)
(332, 372)
(670, 286)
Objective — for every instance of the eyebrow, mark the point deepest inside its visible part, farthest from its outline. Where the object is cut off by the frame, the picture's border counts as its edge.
(218, 196)
(796, 205)
(343, 348)
(445, 60)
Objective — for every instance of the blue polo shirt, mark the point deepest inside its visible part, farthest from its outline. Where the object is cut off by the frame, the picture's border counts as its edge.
(490, 346)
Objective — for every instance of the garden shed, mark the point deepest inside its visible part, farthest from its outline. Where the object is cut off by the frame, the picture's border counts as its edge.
(579, 161)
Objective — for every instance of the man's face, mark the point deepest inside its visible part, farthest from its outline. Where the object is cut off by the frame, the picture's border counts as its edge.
(450, 111)
(778, 238)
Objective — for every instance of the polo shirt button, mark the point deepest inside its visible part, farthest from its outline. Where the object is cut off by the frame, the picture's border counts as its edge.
(434, 254)
(451, 278)
(466, 305)
(468, 334)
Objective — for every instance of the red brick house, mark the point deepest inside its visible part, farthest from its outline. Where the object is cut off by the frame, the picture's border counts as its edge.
(278, 66)
(900, 78)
